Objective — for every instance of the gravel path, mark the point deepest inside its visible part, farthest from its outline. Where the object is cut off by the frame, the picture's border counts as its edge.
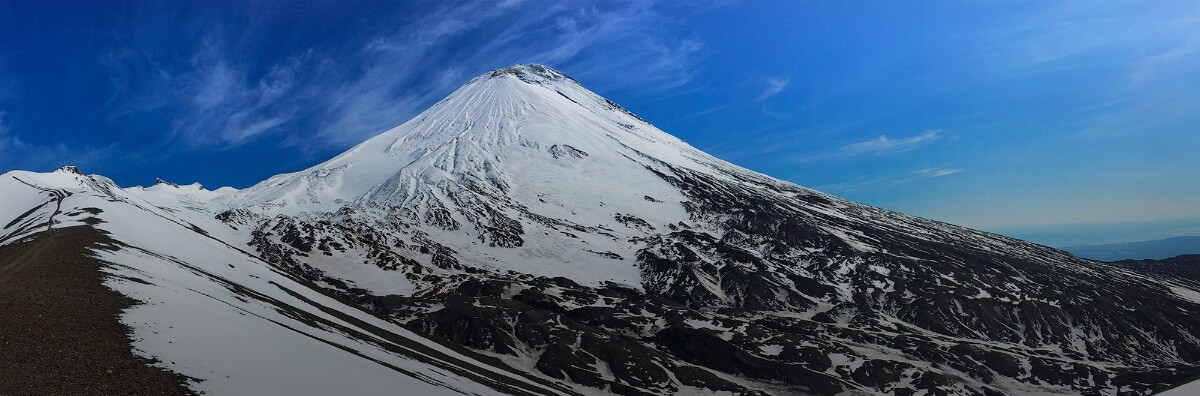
(59, 328)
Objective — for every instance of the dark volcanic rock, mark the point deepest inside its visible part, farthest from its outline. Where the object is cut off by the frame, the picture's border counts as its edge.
(1186, 266)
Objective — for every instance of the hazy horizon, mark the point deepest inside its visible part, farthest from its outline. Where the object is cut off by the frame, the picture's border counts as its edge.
(1075, 235)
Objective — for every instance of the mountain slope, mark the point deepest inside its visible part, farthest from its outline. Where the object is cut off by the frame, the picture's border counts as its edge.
(524, 171)
(561, 237)
(214, 312)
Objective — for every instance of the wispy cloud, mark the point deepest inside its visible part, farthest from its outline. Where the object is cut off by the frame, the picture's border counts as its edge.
(880, 145)
(319, 99)
(774, 87)
(1052, 37)
(215, 84)
(929, 173)
(651, 60)
(16, 153)
(885, 145)
(888, 181)
(706, 111)
(1162, 64)
(212, 100)
(229, 110)
(397, 82)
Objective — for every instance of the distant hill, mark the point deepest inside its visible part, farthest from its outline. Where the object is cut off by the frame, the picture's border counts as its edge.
(1157, 249)
(1186, 266)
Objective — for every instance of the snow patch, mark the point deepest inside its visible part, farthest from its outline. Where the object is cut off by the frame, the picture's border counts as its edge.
(1186, 294)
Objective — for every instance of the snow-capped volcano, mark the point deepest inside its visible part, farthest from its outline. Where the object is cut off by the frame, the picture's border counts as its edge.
(564, 238)
(526, 123)
(523, 171)
(517, 152)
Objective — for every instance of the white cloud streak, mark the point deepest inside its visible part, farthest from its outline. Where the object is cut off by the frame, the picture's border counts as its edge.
(885, 145)
(774, 87)
(878, 146)
(929, 173)
(889, 181)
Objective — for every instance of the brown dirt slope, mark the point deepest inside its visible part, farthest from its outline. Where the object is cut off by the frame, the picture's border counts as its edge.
(59, 332)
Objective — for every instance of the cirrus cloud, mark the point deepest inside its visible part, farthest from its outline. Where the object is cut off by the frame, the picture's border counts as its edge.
(877, 146)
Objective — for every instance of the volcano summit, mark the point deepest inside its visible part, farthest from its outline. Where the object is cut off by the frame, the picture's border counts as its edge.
(527, 236)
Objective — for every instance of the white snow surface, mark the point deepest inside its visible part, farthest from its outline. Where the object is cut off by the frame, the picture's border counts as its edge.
(1189, 389)
(29, 212)
(172, 196)
(214, 312)
(1186, 294)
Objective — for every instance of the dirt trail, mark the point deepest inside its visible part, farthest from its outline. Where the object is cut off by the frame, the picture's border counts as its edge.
(59, 327)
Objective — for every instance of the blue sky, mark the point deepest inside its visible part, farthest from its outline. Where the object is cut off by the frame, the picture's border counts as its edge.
(1063, 122)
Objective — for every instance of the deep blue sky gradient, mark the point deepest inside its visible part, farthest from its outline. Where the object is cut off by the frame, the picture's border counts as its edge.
(1063, 122)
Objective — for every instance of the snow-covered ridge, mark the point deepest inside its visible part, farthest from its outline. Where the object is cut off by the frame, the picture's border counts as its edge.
(212, 311)
(195, 188)
(530, 73)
